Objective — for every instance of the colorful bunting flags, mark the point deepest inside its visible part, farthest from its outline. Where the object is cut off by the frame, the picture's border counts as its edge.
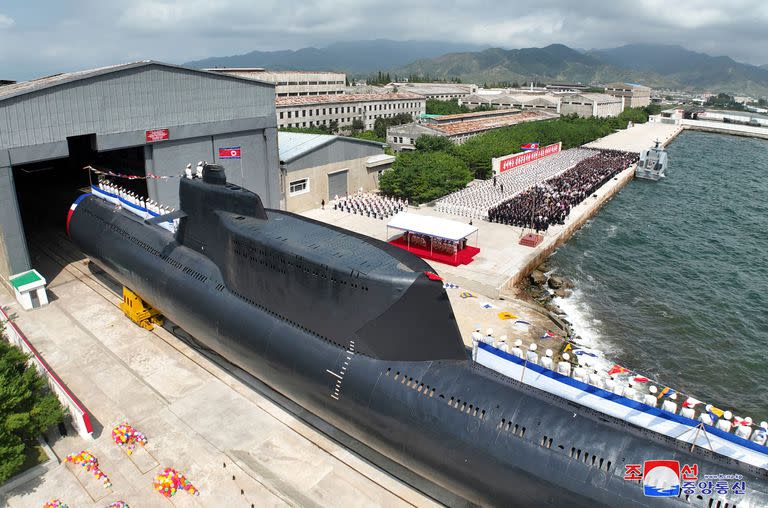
(617, 369)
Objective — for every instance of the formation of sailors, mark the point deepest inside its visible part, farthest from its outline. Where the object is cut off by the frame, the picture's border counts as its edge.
(476, 200)
(583, 370)
(369, 204)
(550, 202)
(133, 202)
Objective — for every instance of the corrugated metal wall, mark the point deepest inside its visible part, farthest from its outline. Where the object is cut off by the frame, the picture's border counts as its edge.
(129, 100)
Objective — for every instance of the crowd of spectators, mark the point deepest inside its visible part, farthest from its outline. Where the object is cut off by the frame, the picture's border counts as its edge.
(549, 203)
(477, 199)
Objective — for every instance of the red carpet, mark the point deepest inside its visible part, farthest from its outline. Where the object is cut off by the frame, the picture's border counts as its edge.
(464, 256)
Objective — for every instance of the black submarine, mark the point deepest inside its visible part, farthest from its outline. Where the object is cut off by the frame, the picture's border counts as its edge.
(362, 335)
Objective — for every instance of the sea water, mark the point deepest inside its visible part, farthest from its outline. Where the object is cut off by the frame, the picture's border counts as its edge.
(672, 276)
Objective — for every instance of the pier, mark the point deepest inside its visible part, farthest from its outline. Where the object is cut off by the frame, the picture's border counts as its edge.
(502, 261)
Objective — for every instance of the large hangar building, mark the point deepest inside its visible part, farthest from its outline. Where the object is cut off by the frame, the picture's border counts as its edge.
(137, 119)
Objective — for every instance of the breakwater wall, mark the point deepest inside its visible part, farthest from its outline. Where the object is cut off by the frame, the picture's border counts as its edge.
(551, 243)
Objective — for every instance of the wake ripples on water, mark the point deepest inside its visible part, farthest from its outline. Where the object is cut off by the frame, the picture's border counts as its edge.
(672, 277)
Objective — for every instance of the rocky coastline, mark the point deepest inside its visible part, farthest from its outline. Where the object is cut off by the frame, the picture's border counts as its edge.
(541, 287)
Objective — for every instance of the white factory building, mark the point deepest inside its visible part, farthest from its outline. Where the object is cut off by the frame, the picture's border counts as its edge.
(292, 83)
(633, 95)
(439, 91)
(590, 104)
(319, 110)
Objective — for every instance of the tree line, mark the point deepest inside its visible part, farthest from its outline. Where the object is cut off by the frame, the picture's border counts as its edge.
(27, 409)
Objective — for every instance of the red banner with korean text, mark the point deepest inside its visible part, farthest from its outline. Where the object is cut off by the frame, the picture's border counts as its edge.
(508, 162)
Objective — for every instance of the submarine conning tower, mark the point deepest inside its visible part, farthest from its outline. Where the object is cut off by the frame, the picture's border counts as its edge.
(343, 287)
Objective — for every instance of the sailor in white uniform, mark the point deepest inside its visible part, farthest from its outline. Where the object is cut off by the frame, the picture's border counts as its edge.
(595, 379)
(744, 429)
(199, 170)
(502, 345)
(705, 416)
(476, 335)
(532, 356)
(546, 360)
(564, 366)
(669, 404)
(688, 412)
(630, 392)
(724, 423)
(609, 383)
(580, 374)
(650, 398)
(488, 339)
(517, 351)
(188, 171)
(760, 435)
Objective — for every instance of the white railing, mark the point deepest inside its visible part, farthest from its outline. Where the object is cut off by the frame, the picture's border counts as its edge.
(81, 420)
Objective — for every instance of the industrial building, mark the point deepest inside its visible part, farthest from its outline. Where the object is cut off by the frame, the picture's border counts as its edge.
(590, 104)
(317, 167)
(547, 102)
(144, 119)
(439, 91)
(633, 95)
(321, 110)
(459, 128)
(292, 83)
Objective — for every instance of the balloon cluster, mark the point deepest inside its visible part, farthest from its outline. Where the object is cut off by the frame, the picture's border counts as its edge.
(117, 504)
(127, 437)
(90, 463)
(169, 481)
(55, 503)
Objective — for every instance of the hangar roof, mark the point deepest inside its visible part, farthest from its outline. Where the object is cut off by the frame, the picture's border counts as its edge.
(293, 145)
(33, 85)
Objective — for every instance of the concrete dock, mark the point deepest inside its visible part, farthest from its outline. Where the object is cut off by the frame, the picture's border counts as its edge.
(236, 445)
(637, 138)
(502, 261)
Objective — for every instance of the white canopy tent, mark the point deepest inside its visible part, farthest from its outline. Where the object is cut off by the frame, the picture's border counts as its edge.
(431, 226)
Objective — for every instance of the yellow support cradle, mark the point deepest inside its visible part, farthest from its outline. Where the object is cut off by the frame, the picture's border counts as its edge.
(139, 311)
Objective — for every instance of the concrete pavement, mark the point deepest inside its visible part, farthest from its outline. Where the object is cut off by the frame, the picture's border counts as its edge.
(233, 443)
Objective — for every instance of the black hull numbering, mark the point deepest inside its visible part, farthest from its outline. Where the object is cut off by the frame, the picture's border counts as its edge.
(356, 332)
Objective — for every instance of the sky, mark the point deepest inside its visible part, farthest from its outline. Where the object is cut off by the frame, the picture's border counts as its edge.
(41, 37)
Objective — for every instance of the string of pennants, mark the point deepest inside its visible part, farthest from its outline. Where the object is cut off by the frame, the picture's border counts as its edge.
(148, 176)
(690, 402)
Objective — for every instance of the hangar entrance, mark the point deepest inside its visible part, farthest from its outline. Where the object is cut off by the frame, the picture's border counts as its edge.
(45, 190)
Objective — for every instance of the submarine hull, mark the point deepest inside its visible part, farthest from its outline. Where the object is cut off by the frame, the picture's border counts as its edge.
(473, 432)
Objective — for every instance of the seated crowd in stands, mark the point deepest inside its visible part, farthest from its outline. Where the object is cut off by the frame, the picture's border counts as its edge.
(474, 201)
(625, 385)
(369, 204)
(549, 203)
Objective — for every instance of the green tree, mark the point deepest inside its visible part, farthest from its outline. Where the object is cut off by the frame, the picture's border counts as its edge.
(380, 124)
(304, 130)
(333, 126)
(429, 143)
(368, 135)
(424, 176)
(357, 126)
(449, 107)
(27, 408)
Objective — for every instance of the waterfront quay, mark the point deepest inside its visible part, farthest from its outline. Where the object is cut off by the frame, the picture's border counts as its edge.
(502, 261)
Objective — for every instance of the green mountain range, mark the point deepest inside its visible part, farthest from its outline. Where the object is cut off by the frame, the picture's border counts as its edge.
(354, 57)
(659, 66)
